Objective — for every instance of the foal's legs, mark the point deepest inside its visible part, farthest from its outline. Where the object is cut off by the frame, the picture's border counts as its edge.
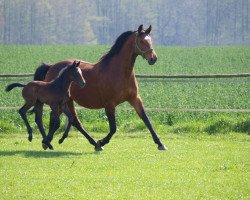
(110, 112)
(22, 111)
(38, 108)
(54, 125)
(138, 106)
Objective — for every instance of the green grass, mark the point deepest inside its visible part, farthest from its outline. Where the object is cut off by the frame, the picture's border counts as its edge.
(130, 167)
(171, 60)
(95, 121)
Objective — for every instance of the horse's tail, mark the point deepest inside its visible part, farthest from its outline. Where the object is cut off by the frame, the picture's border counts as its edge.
(13, 85)
(41, 72)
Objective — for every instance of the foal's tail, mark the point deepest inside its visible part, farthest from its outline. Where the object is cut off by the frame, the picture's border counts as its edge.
(13, 85)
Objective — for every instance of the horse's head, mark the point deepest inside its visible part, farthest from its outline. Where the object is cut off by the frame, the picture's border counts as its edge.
(76, 74)
(144, 46)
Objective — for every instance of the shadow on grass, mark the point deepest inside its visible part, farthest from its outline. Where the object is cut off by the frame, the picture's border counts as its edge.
(44, 154)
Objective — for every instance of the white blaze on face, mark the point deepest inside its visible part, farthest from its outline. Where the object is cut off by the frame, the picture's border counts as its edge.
(79, 71)
(148, 39)
(80, 78)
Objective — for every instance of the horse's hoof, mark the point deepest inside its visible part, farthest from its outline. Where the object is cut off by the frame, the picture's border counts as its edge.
(51, 147)
(45, 147)
(60, 141)
(30, 138)
(98, 147)
(162, 148)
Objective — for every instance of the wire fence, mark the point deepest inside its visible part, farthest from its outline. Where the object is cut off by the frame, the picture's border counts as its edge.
(164, 77)
(156, 76)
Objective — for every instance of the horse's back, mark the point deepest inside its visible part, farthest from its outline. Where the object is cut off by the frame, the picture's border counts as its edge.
(57, 67)
(31, 90)
(54, 70)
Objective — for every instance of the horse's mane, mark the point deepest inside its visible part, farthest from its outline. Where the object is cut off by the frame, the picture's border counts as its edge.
(62, 71)
(116, 48)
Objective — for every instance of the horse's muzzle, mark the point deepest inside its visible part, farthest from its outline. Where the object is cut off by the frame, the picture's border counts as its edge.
(152, 60)
(82, 84)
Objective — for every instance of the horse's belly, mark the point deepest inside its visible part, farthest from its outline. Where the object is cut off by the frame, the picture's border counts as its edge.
(86, 97)
(95, 98)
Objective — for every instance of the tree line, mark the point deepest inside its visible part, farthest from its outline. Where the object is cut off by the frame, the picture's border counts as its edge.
(175, 22)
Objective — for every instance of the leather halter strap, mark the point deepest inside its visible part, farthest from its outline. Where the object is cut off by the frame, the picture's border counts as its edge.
(142, 52)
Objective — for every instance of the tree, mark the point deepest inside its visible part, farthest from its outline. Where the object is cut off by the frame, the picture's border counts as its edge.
(175, 22)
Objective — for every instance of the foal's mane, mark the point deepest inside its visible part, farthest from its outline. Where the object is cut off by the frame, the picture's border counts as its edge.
(61, 72)
(116, 48)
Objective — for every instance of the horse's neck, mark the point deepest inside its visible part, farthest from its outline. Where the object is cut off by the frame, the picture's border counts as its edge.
(126, 58)
(63, 82)
(127, 63)
(123, 62)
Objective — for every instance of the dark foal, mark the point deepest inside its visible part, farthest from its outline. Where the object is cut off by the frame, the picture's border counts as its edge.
(55, 93)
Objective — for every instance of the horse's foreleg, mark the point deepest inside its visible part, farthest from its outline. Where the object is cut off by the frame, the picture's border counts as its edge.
(38, 118)
(110, 112)
(69, 124)
(138, 106)
(53, 126)
(76, 123)
(22, 111)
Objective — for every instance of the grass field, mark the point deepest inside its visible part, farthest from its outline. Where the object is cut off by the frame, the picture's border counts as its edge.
(130, 167)
(171, 60)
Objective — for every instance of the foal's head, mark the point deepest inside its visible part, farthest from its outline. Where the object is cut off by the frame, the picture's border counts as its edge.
(144, 46)
(75, 73)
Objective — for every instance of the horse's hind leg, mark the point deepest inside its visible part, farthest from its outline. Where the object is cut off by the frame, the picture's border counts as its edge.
(76, 123)
(69, 124)
(110, 112)
(22, 111)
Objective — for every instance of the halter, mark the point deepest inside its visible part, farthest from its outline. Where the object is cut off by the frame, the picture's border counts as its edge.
(140, 50)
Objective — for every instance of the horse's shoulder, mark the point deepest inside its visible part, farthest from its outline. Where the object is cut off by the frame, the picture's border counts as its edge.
(133, 86)
(133, 80)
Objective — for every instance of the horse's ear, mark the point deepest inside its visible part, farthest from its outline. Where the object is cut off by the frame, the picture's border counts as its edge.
(140, 28)
(78, 63)
(148, 30)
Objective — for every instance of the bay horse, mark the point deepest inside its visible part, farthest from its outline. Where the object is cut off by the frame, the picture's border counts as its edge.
(55, 93)
(110, 82)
